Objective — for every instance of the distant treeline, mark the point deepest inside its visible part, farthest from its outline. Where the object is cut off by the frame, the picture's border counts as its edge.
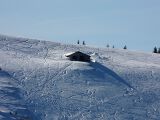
(155, 50)
(108, 46)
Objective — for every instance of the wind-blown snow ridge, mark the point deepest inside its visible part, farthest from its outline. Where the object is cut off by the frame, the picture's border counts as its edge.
(37, 82)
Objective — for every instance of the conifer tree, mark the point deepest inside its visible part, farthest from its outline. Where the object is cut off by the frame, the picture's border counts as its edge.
(84, 43)
(155, 50)
(125, 47)
(158, 50)
(78, 42)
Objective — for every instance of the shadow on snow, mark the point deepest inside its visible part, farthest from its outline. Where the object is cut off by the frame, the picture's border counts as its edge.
(104, 71)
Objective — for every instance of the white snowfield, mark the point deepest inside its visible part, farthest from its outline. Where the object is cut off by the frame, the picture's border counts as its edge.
(37, 82)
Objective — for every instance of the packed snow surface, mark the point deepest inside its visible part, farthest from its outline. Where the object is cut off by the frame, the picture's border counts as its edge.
(37, 82)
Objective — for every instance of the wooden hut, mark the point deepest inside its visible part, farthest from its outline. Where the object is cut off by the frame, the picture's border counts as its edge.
(79, 56)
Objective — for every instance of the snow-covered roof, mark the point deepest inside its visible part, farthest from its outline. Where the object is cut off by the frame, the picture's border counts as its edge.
(68, 54)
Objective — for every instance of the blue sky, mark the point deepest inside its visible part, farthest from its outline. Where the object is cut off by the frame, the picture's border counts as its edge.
(135, 23)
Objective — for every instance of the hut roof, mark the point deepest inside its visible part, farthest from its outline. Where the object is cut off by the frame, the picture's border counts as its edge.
(78, 53)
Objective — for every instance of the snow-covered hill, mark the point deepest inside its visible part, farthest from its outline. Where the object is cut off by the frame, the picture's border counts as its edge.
(37, 82)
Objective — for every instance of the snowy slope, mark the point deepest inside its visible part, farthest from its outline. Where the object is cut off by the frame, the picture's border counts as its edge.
(37, 78)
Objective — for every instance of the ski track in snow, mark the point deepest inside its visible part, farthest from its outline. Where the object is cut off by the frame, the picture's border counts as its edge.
(37, 82)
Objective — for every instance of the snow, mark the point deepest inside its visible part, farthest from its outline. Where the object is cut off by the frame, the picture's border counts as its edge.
(38, 82)
(67, 54)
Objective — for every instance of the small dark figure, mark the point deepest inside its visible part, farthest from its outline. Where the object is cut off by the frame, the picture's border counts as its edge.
(125, 47)
(78, 42)
(84, 43)
(107, 45)
(113, 46)
(158, 50)
(155, 50)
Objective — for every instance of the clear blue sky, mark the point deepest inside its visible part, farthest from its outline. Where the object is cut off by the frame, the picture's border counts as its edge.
(135, 23)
